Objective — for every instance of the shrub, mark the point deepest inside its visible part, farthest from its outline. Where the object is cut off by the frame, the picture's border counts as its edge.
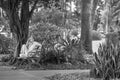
(6, 58)
(6, 45)
(67, 50)
(73, 50)
(52, 57)
(24, 63)
(74, 33)
(113, 37)
(107, 62)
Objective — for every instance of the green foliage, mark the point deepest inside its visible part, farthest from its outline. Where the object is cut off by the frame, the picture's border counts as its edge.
(56, 17)
(45, 32)
(115, 4)
(72, 49)
(4, 22)
(52, 57)
(107, 64)
(113, 37)
(24, 63)
(6, 58)
(6, 45)
(52, 16)
(74, 33)
(69, 42)
(109, 13)
(48, 36)
(62, 50)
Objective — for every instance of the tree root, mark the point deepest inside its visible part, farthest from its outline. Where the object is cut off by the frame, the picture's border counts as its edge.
(24, 63)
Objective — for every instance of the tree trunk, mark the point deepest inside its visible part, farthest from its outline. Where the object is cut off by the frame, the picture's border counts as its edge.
(24, 29)
(18, 48)
(20, 25)
(85, 26)
(19, 22)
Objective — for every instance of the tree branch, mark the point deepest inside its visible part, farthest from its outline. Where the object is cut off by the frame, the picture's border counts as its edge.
(33, 7)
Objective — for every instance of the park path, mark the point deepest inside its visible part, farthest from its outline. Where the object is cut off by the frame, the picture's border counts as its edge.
(7, 73)
(35, 74)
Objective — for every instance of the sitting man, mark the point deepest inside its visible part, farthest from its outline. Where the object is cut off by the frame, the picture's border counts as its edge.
(30, 49)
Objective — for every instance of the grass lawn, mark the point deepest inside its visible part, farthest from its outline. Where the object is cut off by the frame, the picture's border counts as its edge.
(73, 76)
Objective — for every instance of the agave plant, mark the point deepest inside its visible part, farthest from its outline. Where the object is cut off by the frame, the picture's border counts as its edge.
(107, 62)
(72, 50)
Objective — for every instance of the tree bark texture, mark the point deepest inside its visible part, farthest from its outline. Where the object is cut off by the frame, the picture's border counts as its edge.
(19, 15)
(19, 23)
(21, 26)
(85, 26)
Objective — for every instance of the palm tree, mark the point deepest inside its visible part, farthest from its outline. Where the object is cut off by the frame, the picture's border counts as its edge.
(85, 25)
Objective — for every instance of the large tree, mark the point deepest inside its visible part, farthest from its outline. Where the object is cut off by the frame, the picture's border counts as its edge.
(19, 14)
(85, 25)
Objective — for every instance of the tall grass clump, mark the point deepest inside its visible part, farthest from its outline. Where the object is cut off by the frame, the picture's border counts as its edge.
(107, 62)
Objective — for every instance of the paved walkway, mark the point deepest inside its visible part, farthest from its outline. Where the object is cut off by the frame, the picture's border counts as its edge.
(6, 73)
(34, 75)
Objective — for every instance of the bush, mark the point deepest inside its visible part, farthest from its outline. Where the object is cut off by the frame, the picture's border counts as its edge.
(24, 63)
(113, 37)
(7, 58)
(6, 45)
(67, 50)
(73, 50)
(107, 62)
(74, 33)
(50, 55)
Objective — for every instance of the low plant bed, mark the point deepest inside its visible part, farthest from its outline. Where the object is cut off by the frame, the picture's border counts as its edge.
(31, 64)
(67, 66)
(51, 66)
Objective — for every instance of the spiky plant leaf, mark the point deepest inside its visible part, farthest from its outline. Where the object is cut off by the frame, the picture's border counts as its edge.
(107, 61)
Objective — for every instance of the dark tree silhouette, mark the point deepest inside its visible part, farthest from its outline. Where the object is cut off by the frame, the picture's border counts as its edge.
(19, 14)
(85, 25)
